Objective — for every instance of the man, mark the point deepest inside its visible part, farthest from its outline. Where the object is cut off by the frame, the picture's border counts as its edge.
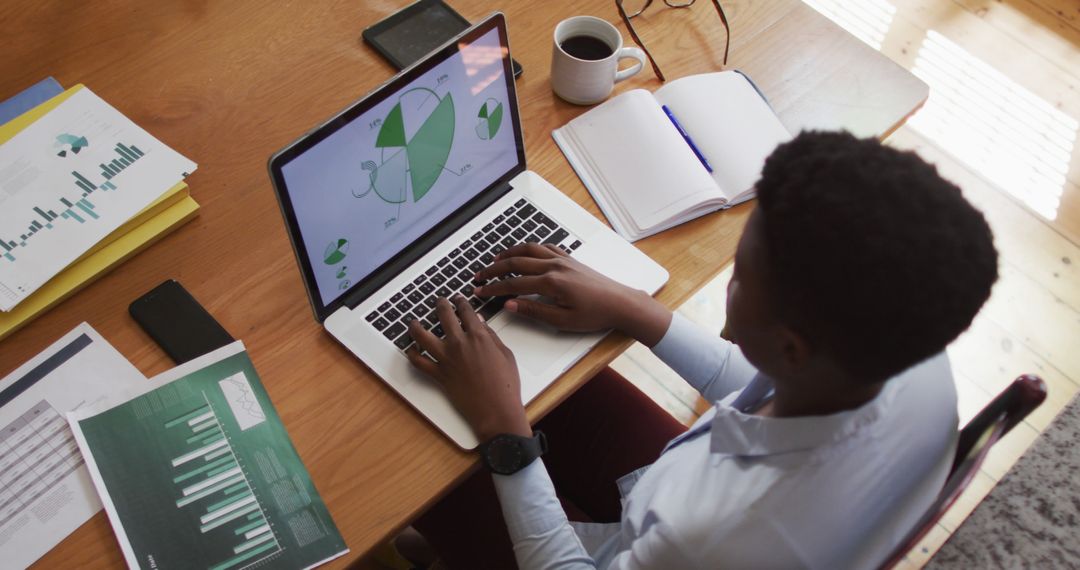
(834, 421)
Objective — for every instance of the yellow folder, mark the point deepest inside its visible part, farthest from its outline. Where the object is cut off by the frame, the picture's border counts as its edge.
(170, 211)
(94, 265)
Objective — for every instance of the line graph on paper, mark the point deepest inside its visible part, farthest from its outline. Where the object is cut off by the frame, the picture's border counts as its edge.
(245, 407)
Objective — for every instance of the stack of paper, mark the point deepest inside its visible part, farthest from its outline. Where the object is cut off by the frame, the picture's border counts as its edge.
(82, 189)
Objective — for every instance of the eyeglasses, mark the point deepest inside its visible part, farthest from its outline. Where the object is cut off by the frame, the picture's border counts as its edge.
(630, 9)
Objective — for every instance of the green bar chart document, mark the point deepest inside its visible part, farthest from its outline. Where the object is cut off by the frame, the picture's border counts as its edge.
(199, 472)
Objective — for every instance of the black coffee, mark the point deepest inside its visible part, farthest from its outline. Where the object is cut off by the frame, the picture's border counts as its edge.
(586, 47)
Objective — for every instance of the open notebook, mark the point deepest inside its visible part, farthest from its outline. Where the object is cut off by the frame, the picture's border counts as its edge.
(640, 169)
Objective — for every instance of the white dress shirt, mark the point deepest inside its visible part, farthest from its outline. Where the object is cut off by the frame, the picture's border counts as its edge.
(738, 490)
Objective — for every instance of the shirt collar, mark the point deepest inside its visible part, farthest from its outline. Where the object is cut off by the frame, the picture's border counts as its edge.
(735, 432)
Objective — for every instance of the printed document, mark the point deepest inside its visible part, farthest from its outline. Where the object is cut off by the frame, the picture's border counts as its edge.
(45, 489)
(198, 472)
(67, 181)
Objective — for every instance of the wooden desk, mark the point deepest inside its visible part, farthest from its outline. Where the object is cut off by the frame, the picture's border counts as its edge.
(228, 83)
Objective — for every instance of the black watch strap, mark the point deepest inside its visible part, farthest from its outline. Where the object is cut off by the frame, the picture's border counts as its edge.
(506, 454)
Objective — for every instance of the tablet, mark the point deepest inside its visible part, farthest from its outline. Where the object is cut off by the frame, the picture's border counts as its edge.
(409, 34)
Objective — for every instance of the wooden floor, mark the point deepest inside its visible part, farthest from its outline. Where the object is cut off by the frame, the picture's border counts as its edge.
(1001, 122)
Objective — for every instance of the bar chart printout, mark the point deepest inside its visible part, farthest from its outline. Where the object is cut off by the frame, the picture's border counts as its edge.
(199, 472)
(69, 179)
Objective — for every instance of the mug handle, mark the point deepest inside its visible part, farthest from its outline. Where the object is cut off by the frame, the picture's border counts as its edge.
(630, 53)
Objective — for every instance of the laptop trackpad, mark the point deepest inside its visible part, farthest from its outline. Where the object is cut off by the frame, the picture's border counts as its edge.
(536, 347)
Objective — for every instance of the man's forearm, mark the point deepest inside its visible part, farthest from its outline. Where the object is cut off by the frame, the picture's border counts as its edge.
(644, 319)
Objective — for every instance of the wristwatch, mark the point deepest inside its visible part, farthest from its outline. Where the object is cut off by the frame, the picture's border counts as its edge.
(507, 454)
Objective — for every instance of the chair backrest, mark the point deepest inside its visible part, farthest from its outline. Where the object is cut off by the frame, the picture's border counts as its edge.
(1003, 413)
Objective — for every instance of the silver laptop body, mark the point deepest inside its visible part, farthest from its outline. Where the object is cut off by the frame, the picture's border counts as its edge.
(399, 198)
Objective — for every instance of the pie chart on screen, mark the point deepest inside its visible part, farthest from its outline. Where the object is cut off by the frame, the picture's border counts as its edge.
(415, 139)
(489, 119)
(336, 251)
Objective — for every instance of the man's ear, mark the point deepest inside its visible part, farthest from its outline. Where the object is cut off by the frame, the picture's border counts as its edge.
(795, 348)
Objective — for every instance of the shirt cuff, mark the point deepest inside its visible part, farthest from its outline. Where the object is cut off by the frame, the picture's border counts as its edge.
(693, 352)
(529, 503)
(712, 365)
(680, 336)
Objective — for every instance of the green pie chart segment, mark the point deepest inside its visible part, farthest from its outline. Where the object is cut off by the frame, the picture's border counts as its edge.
(335, 252)
(430, 146)
(392, 133)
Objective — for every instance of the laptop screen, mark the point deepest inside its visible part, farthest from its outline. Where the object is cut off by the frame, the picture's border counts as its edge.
(390, 174)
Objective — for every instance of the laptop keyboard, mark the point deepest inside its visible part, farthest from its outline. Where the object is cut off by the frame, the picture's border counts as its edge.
(520, 223)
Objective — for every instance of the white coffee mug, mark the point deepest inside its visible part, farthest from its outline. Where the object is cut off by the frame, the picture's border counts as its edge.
(584, 81)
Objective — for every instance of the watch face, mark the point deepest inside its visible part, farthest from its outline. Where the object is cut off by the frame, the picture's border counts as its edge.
(505, 455)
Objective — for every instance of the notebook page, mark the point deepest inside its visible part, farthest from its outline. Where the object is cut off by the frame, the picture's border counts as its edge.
(641, 159)
(734, 128)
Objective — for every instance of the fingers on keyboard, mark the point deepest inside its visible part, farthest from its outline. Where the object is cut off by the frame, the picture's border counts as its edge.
(454, 273)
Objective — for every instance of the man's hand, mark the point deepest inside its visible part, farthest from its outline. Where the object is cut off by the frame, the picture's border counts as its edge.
(475, 368)
(580, 299)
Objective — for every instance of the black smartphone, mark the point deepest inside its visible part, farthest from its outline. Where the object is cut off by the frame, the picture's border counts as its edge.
(178, 323)
(412, 32)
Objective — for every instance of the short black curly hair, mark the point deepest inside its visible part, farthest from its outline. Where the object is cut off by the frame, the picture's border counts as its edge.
(871, 255)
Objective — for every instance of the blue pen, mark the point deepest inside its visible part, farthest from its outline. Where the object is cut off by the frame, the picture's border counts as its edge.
(686, 137)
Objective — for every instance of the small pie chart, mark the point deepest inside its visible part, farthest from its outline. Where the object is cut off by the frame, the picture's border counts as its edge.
(69, 143)
(489, 119)
(336, 251)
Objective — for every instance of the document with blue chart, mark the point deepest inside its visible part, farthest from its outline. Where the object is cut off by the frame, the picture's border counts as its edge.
(199, 472)
(380, 182)
(67, 181)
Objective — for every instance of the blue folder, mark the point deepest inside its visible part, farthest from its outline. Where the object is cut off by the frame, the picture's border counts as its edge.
(29, 98)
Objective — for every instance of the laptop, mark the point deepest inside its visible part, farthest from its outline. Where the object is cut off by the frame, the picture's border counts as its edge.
(401, 197)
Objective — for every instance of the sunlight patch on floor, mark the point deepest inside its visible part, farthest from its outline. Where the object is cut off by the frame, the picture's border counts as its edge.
(1016, 140)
